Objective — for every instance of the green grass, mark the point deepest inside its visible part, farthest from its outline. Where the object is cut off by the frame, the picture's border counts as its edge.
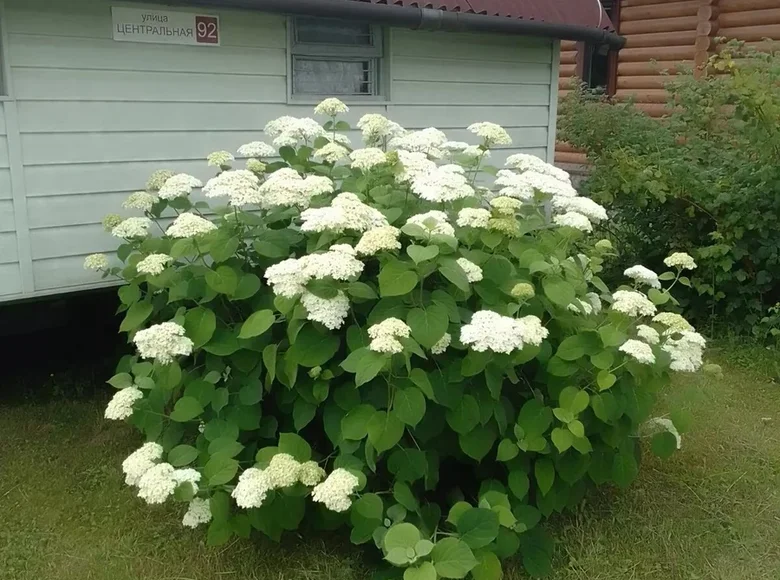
(710, 512)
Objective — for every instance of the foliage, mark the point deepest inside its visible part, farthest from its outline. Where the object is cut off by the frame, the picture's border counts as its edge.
(473, 385)
(706, 177)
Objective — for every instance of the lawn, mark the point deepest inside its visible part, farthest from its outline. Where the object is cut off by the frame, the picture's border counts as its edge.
(710, 512)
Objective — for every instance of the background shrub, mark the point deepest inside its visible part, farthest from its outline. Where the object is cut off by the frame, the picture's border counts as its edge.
(369, 339)
(707, 177)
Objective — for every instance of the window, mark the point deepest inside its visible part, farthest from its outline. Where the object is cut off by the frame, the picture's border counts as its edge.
(335, 58)
(597, 61)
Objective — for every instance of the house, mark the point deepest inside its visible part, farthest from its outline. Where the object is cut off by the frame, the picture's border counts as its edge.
(662, 37)
(97, 94)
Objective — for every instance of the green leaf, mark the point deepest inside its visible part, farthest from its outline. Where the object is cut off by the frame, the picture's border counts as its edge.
(199, 325)
(534, 418)
(574, 399)
(452, 271)
(251, 393)
(658, 297)
(603, 360)
(605, 380)
(361, 290)
(489, 567)
(257, 324)
(452, 558)
(577, 429)
(611, 335)
(313, 348)
(269, 360)
(396, 279)
(419, 378)
(537, 549)
(223, 343)
(121, 381)
(220, 399)
(365, 363)
(248, 286)
(478, 527)
(400, 556)
(409, 405)
(544, 470)
(572, 348)
(226, 446)
(404, 496)
(295, 445)
(664, 444)
(458, 510)
(220, 469)
(384, 431)
(478, 443)
(129, 293)
(303, 413)
(182, 455)
(354, 425)
(135, 316)
(507, 450)
(186, 409)
(403, 535)
(422, 253)
(428, 325)
(562, 439)
(465, 416)
(558, 290)
(223, 280)
(518, 483)
(624, 469)
(424, 571)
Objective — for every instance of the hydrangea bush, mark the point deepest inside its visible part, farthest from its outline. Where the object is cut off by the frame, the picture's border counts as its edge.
(398, 339)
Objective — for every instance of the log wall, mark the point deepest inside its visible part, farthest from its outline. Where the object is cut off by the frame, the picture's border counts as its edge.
(666, 37)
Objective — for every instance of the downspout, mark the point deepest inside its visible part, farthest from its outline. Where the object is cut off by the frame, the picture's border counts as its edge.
(414, 17)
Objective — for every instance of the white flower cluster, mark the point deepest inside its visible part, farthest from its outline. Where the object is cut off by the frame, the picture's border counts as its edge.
(252, 488)
(443, 183)
(334, 492)
(378, 239)
(642, 275)
(220, 159)
(140, 461)
(285, 187)
(434, 221)
(581, 205)
(377, 129)
(198, 512)
(282, 471)
(442, 344)
(632, 303)
(506, 205)
(179, 185)
(161, 480)
(473, 218)
(189, 225)
(331, 107)
(473, 272)
(673, 322)
(153, 264)
(490, 331)
(491, 133)
(413, 164)
(110, 221)
(574, 220)
(463, 148)
(240, 186)
(384, 335)
(133, 227)
(140, 200)
(310, 474)
(288, 131)
(331, 152)
(639, 351)
(548, 184)
(428, 141)
(346, 212)
(256, 150)
(648, 334)
(96, 262)
(680, 260)
(289, 277)
(368, 158)
(330, 312)
(157, 179)
(526, 162)
(121, 405)
(513, 185)
(163, 342)
(686, 351)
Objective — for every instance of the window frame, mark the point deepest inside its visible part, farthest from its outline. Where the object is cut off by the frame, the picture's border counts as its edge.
(378, 51)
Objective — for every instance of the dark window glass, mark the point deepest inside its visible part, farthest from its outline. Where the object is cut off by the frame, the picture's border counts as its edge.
(325, 31)
(333, 77)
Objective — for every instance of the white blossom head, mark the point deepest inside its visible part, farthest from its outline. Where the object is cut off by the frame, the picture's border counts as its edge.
(310, 474)
(121, 405)
(639, 351)
(489, 331)
(575, 220)
(132, 228)
(548, 184)
(377, 129)
(96, 262)
(642, 275)
(384, 335)
(680, 260)
(513, 185)
(331, 153)
(157, 179)
(140, 200)
(442, 184)
(189, 225)
(368, 158)
(526, 162)
(336, 490)
(582, 205)
(198, 512)
(442, 344)
(648, 334)
(336, 263)
(686, 349)
(523, 291)
(473, 272)
(153, 264)
(470, 217)
(252, 488)
(289, 131)
(287, 188)
(287, 278)
(413, 164)
(240, 186)
(111, 221)
(282, 471)
(179, 185)
(428, 141)
(330, 312)
(256, 150)
(140, 461)
(221, 159)
(434, 221)
(632, 303)
(673, 322)
(491, 133)
(157, 484)
(163, 342)
(331, 107)
(383, 238)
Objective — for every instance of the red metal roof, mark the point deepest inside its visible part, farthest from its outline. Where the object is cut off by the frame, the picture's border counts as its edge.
(587, 13)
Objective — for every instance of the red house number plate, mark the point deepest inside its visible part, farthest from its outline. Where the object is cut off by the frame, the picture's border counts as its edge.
(206, 30)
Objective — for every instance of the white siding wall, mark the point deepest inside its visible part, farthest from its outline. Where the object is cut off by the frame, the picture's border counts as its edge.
(95, 117)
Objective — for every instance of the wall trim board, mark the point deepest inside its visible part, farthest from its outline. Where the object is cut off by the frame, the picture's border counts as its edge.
(553, 112)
